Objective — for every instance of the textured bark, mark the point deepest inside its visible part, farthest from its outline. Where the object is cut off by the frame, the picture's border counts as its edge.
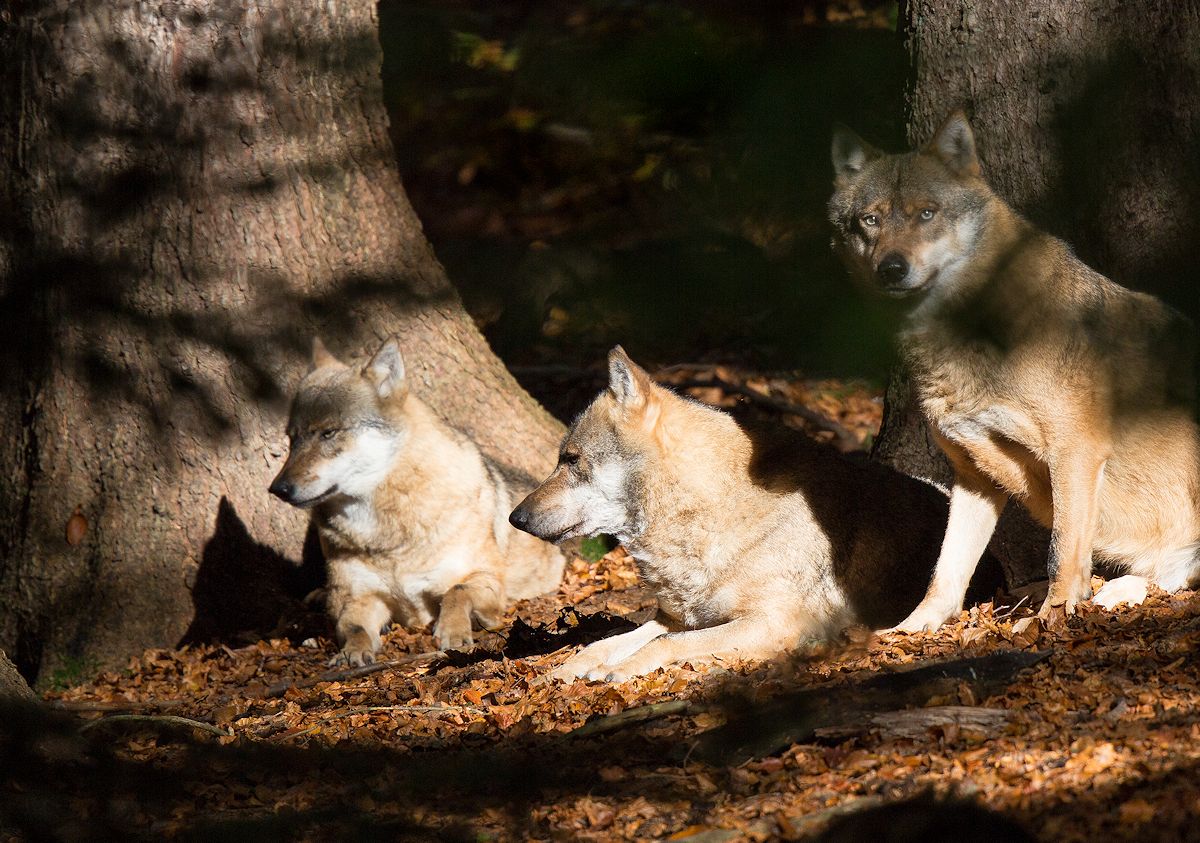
(189, 191)
(1087, 118)
(12, 686)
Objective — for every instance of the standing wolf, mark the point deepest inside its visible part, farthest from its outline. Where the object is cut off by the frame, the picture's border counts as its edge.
(1040, 378)
(753, 543)
(411, 517)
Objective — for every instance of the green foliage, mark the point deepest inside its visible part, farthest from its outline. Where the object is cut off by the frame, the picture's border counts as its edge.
(594, 548)
(73, 671)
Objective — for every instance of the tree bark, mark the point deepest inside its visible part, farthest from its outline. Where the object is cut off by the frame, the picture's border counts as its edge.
(188, 192)
(1086, 119)
(12, 685)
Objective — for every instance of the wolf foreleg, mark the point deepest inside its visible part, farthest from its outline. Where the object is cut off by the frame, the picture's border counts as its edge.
(1075, 482)
(608, 651)
(480, 595)
(744, 638)
(975, 507)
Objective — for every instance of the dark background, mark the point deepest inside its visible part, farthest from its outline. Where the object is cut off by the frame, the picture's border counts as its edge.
(653, 174)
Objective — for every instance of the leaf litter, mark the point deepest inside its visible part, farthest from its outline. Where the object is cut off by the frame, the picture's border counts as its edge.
(1099, 740)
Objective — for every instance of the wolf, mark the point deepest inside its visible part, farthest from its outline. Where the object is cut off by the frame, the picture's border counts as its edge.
(1040, 378)
(411, 517)
(754, 542)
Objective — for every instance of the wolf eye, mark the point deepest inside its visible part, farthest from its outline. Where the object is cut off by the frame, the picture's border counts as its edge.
(927, 214)
(329, 434)
(870, 220)
(569, 458)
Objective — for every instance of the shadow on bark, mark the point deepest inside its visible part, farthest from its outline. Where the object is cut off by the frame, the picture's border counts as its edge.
(244, 591)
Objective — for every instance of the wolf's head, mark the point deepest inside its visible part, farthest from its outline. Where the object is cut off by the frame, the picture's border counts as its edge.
(596, 486)
(907, 223)
(346, 427)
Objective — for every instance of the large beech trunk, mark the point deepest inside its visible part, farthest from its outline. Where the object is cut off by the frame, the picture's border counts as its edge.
(1087, 117)
(188, 192)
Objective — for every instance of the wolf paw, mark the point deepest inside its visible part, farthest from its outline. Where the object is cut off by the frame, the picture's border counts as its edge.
(452, 636)
(1128, 589)
(352, 657)
(925, 618)
(1064, 598)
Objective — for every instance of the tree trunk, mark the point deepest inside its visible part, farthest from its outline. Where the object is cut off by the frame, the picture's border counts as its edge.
(12, 685)
(189, 191)
(1086, 118)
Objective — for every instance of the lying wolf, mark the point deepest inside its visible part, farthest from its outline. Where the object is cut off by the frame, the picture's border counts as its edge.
(410, 515)
(752, 546)
(1040, 378)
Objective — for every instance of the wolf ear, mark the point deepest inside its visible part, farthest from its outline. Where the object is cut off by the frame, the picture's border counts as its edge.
(627, 381)
(386, 370)
(850, 153)
(954, 145)
(321, 356)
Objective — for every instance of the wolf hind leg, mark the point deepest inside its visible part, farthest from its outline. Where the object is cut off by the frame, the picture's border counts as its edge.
(479, 596)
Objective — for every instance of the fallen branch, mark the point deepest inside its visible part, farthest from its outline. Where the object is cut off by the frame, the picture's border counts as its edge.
(123, 705)
(629, 717)
(281, 688)
(915, 723)
(159, 719)
(762, 729)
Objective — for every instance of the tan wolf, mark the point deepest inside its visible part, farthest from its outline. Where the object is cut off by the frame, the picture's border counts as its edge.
(754, 544)
(411, 517)
(1040, 378)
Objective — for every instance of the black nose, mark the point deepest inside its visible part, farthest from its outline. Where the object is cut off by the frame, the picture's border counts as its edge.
(892, 269)
(283, 489)
(520, 518)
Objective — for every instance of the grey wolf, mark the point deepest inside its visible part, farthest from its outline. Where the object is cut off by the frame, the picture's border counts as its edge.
(754, 544)
(411, 517)
(1040, 378)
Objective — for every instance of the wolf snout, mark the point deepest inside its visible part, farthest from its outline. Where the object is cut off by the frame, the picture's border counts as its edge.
(520, 518)
(892, 270)
(283, 489)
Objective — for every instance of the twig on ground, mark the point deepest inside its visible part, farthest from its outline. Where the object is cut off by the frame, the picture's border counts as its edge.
(278, 690)
(366, 709)
(159, 719)
(629, 717)
(122, 705)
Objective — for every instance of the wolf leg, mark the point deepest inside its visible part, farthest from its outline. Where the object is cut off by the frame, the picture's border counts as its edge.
(608, 651)
(1075, 481)
(359, 620)
(744, 638)
(975, 507)
(480, 595)
(1129, 589)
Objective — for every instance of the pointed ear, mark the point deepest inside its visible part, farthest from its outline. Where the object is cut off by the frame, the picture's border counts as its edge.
(954, 145)
(321, 356)
(850, 153)
(385, 371)
(627, 381)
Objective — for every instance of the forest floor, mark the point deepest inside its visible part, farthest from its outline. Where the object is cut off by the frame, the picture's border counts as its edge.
(1095, 735)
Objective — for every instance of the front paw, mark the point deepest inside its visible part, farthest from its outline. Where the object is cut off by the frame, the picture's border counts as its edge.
(453, 634)
(927, 617)
(1064, 597)
(352, 657)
